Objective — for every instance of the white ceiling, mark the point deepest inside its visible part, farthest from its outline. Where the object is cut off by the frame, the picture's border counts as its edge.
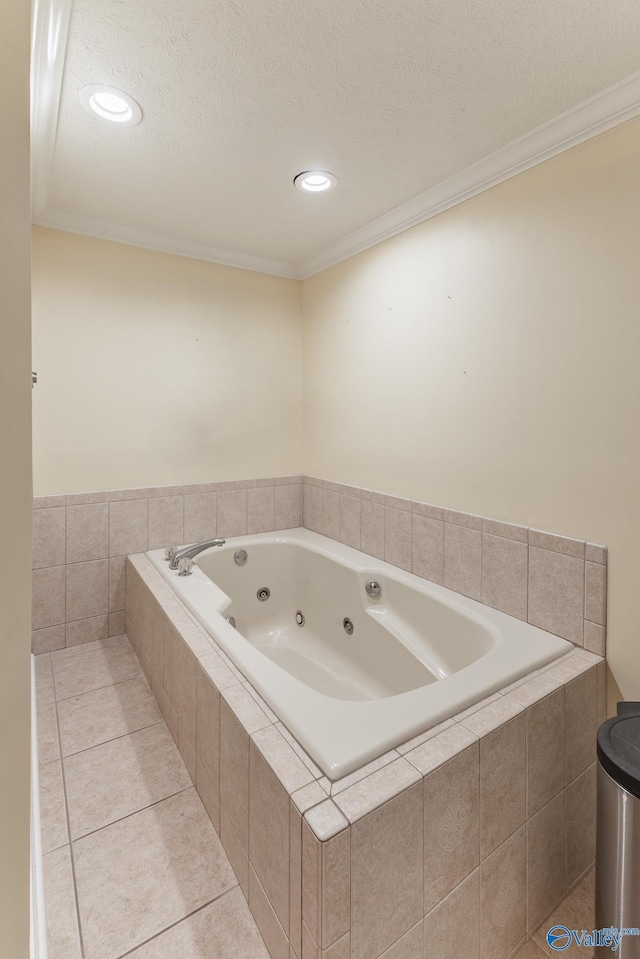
(238, 96)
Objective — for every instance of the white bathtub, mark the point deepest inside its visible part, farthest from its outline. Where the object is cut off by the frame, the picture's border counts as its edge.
(417, 655)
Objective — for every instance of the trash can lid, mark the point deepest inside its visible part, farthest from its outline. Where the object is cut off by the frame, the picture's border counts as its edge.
(619, 747)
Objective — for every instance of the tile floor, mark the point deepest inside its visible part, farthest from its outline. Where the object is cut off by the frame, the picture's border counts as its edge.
(132, 864)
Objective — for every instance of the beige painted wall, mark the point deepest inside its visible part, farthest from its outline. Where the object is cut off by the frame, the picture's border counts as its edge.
(15, 480)
(156, 369)
(489, 360)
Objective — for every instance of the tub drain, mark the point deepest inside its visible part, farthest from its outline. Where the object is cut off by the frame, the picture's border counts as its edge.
(300, 618)
(263, 594)
(348, 625)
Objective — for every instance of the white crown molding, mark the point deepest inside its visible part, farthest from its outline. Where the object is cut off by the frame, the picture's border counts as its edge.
(51, 19)
(608, 109)
(49, 35)
(74, 223)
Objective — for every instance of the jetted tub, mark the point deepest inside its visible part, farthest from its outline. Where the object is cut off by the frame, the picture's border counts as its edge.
(417, 654)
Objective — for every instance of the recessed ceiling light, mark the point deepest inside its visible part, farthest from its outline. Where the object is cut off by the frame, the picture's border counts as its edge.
(315, 181)
(111, 104)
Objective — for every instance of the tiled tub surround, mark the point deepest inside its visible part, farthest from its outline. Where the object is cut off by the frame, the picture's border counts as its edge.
(416, 654)
(458, 843)
(551, 581)
(81, 540)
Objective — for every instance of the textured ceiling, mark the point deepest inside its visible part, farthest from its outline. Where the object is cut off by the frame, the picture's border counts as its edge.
(238, 96)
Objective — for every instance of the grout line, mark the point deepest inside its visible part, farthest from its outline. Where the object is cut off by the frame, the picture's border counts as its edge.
(113, 739)
(177, 922)
(120, 682)
(71, 856)
(134, 812)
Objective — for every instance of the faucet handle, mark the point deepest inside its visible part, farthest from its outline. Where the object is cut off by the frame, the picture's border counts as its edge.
(169, 553)
(185, 565)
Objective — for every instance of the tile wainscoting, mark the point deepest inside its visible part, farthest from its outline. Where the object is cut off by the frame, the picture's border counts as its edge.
(551, 581)
(490, 815)
(81, 541)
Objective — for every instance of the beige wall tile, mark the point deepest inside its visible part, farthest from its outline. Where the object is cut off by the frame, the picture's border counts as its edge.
(558, 544)
(601, 696)
(409, 946)
(339, 785)
(580, 721)
(117, 583)
(452, 824)
(440, 748)
(87, 532)
(581, 823)
(128, 527)
(234, 772)
(350, 521)
(272, 932)
(330, 521)
(311, 883)
(187, 751)
(463, 560)
(180, 679)
(286, 764)
(502, 784)
(546, 861)
(87, 630)
(288, 506)
(545, 751)
(387, 873)
(503, 898)
(48, 537)
(595, 638)
(494, 714)
(260, 510)
(335, 874)
(209, 794)
(48, 597)
(295, 879)
(397, 537)
(117, 623)
(506, 530)
(231, 513)
(325, 820)
(469, 520)
(505, 564)
(594, 553)
(595, 593)
(208, 725)
(199, 517)
(49, 502)
(427, 548)
(369, 793)
(47, 639)
(44, 680)
(235, 851)
(452, 928)
(87, 590)
(372, 529)
(556, 593)
(166, 521)
(312, 507)
(269, 833)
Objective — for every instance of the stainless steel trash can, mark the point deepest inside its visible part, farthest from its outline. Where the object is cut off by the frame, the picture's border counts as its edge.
(618, 831)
